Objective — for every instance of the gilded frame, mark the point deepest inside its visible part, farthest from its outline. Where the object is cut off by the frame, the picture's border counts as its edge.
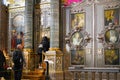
(111, 56)
(77, 39)
(111, 16)
(111, 36)
(78, 20)
(78, 57)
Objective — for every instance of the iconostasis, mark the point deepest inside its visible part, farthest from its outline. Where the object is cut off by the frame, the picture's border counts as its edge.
(78, 38)
(93, 34)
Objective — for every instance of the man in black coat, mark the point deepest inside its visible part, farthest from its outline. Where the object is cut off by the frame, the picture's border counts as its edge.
(39, 51)
(43, 46)
(45, 43)
(18, 60)
(2, 63)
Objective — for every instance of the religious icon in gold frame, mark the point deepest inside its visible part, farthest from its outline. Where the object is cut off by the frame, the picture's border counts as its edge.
(78, 57)
(111, 36)
(77, 39)
(77, 20)
(111, 16)
(111, 56)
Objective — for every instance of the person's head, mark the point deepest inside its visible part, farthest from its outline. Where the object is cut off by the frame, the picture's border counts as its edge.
(19, 46)
(45, 38)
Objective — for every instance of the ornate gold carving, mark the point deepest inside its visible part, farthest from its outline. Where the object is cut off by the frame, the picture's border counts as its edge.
(28, 50)
(54, 49)
(109, 37)
(55, 61)
(111, 4)
(58, 63)
(71, 38)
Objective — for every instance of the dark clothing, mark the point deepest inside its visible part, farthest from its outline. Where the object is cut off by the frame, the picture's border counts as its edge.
(45, 43)
(19, 65)
(18, 58)
(40, 54)
(18, 41)
(43, 46)
(39, 51)
(18, 74)
(2, 62)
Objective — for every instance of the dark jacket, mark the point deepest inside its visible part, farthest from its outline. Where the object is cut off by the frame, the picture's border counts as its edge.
(46, 44)
(2, 62)
(39, 51)
(18, 63)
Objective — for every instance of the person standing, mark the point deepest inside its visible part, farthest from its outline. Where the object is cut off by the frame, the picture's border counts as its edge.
(43, 47)
(45, 43)
(18, 60)
(2, 64)
(39, 51)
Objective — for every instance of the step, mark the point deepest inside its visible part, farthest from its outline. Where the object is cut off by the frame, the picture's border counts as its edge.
(38, 74)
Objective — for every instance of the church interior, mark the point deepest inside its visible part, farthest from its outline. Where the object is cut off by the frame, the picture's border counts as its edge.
(83, 38)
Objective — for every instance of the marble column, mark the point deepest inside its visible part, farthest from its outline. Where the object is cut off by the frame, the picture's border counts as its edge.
(28, 40)
(54, 29)
(28, 36)
(55, 56)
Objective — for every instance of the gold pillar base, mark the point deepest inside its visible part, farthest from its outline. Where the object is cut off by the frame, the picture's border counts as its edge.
(29, 59)
(55, 59)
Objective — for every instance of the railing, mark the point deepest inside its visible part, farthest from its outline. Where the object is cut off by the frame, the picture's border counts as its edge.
(78, 73)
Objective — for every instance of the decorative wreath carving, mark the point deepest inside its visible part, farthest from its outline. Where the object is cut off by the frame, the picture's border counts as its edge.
(110, 37)
(77, 39)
